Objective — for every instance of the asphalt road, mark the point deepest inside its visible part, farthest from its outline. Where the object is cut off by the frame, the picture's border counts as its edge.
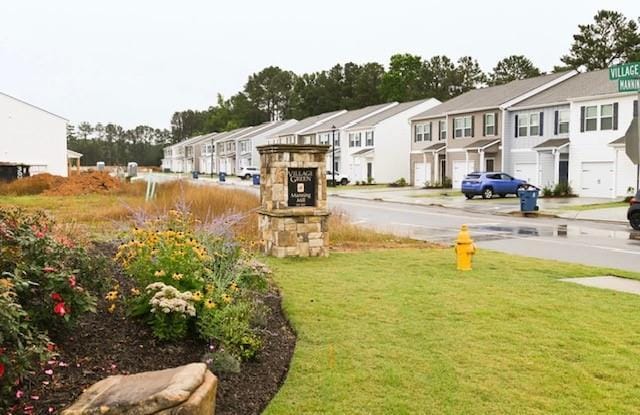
(590, 243)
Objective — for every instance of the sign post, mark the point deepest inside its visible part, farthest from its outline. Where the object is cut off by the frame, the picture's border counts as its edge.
(628, 77)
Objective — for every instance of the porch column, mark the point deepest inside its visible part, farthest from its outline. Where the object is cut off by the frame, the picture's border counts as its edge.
(436, 167)
(537, 167)
(466, 162)
(424, 163)
(481, 167)
(556, 166)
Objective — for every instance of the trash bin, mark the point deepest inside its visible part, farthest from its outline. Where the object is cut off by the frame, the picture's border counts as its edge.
(222, 176)
(528, 200)
(194, 174)
(256, 179)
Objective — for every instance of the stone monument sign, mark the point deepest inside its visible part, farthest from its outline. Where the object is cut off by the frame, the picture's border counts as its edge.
(293, 197)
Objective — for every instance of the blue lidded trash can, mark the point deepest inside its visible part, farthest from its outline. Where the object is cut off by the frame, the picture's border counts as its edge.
(194, 174)
(222, 176)
(256, 179)
(528, 200)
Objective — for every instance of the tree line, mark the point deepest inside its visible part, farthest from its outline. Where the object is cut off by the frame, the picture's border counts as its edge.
(274, 93)
(117, 146)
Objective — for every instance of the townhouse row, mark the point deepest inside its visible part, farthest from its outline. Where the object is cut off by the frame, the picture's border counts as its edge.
(565, 127)
(370, 142)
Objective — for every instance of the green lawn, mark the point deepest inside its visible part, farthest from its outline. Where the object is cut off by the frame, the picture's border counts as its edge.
(595, 206)
(403, 332)
(443, 193)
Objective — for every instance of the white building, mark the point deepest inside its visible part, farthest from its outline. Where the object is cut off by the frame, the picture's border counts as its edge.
(379, 146)
(32, 136)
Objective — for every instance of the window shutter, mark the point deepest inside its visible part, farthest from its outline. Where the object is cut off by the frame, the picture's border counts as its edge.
(495, 123)
(430, 131)
(473, 125)
(615, 115)
(484, 124)
(453, 129)
(556, 122)
(516, 122)
(541, 123)
(635, 108)
(582, 119)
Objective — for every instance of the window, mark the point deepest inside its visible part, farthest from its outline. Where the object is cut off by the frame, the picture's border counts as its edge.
(462, 127)
(418, 135)
(323, 138)
(355, 139)
(369, 138)
(505, 177)
(534, 124)
(358, 140)
(606, 117)
(563, 122)
(591, 118)
(442, 129)
(336, 139)
(490, 124)
(244, 146)
(523, 125)
(426, 132)
(351, 139)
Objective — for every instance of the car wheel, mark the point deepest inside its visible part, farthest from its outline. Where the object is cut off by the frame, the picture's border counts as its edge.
(634, 220)
(468, 196)
(487, 193)
(344, 181)
(247, 176)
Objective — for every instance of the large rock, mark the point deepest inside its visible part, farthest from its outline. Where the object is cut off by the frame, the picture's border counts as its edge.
(184, 390)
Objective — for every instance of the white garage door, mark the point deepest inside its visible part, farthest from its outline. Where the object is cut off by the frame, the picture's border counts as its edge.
(526, 171)
(421, 173)
(597, 179)
(460, 171)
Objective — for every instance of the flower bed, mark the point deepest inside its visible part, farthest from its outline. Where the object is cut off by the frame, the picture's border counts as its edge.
(178, 291)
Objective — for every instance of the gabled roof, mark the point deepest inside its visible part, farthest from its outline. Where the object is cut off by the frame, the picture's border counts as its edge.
(631, 134)
(436, 146)
(388, 113)
(482, 143)
(308, 122)
(34, 106)
(344, 119)
(263, 128)
(363, 152)
(231, 134)
(585, 84)
(552, 143)
(489, 97)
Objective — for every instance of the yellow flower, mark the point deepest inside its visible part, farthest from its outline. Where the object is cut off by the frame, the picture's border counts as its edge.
(210, 304)
(177, 276)
(135, 291)
(5, 283)
(160, 273)
(197, 296)
(234, 286)
(112, 308)
(227, 298)
(111, 296)
(210, 288)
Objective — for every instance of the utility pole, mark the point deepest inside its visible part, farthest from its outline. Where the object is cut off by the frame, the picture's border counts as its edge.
(333, 155)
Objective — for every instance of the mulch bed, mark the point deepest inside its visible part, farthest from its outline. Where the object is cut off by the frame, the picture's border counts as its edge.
(105, 344)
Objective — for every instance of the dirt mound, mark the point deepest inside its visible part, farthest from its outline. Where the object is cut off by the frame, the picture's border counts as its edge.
(48, 184)
(85, 183)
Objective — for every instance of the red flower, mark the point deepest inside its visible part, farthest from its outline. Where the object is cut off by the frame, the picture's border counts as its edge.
(72, 281)
(49, 269)
(56, 297)
(1, 370)
(39, 234)
(60, 309)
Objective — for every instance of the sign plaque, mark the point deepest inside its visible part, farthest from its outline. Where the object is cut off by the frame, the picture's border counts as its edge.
(302, 186)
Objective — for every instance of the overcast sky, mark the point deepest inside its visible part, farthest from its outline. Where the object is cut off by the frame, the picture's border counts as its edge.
(137, 61)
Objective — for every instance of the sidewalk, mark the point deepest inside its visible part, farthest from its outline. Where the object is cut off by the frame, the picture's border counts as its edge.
(501, 206)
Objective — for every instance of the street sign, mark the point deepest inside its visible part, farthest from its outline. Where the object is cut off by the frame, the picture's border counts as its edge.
(628, 85)
(625, 71)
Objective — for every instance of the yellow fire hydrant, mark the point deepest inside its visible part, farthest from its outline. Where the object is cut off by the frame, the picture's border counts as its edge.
(465, 248)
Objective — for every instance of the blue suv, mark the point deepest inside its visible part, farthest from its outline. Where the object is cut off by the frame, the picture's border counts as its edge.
(491, 183)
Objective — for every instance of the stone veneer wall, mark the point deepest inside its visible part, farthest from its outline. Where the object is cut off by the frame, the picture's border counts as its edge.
(292, 231)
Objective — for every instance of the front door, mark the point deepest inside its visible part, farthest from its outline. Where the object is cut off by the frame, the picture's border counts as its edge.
(564, 171)
(443, 171)
(369, 171)
(489, 165)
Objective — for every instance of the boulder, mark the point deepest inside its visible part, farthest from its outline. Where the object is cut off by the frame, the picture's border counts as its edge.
(184, 390)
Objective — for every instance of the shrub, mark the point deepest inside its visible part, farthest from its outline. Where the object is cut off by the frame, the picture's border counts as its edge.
(562, 189)
(194, 279)
(547, 191)
(401, 182)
